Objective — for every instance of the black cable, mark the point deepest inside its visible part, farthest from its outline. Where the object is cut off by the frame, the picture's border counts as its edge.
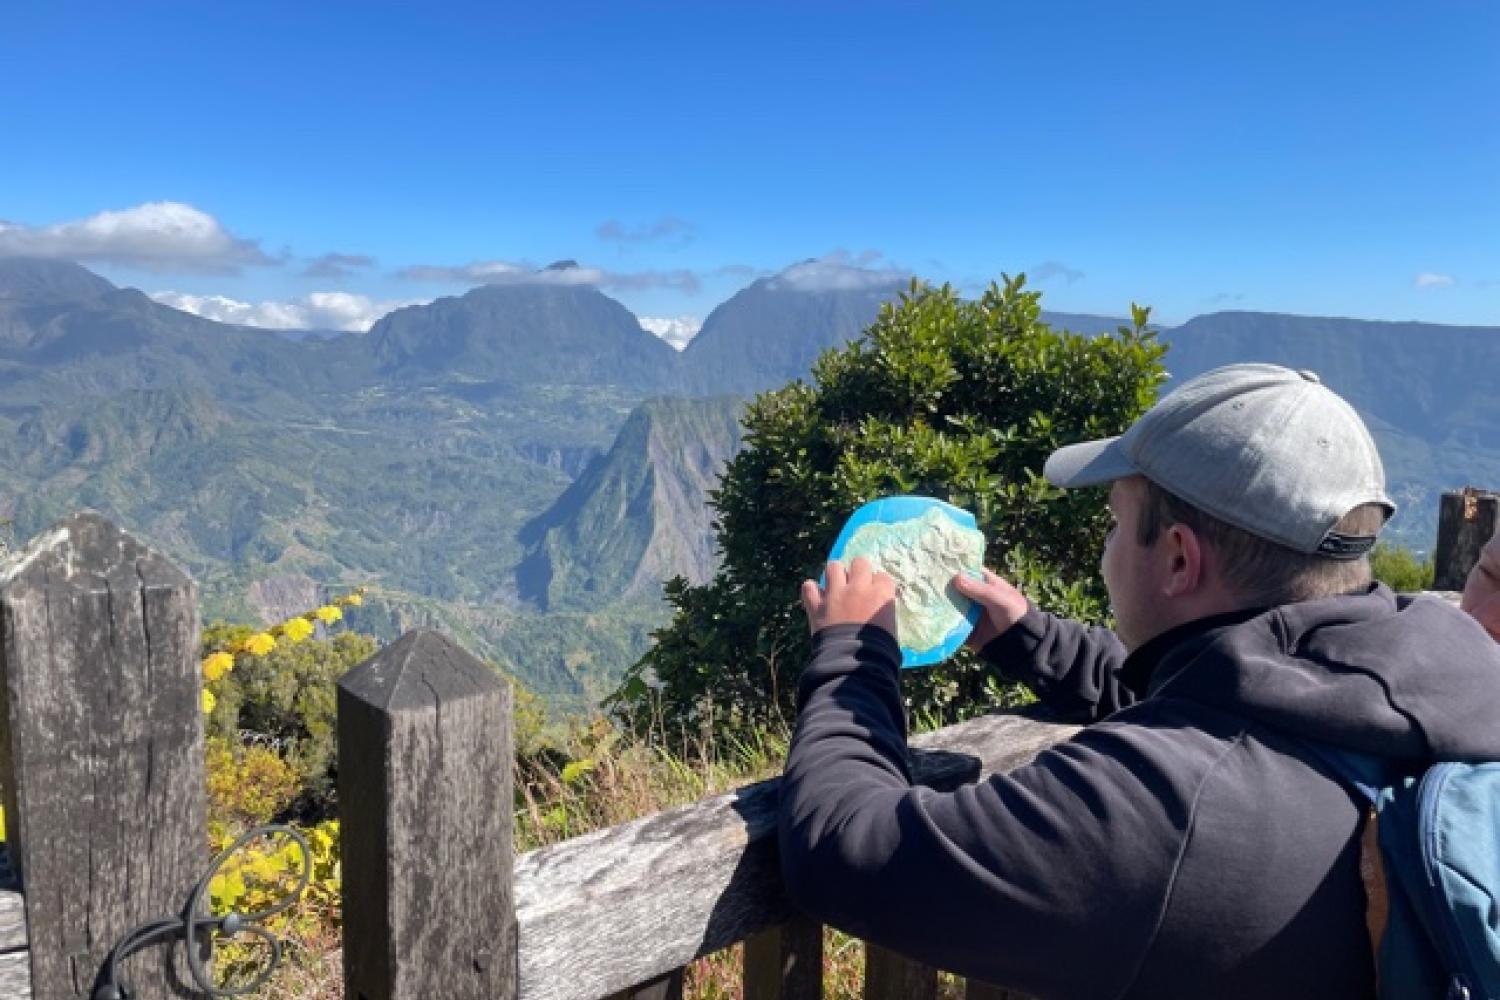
(194, 926)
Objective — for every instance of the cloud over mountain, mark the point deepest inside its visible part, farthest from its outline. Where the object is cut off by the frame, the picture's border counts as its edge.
(1429, 279)
(840, 271)
(675, 330)
(156, 236)
(315, 311)
(503, 272)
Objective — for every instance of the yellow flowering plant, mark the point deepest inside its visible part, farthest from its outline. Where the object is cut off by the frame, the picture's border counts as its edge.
(218, 663)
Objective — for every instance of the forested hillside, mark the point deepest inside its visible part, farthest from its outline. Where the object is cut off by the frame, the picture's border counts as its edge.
(522, 465)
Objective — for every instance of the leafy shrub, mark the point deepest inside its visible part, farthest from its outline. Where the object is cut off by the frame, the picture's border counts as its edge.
(1401, 569)
(247, 785)
(284, 700)
(962, 400)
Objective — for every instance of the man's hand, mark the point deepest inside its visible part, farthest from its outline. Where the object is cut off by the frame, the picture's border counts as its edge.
(1003, 606)
(1481, 596)
(858, 596)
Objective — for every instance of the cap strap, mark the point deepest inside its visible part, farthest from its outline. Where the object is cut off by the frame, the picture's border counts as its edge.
(1345, 547)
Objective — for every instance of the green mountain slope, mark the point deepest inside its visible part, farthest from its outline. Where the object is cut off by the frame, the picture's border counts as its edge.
(489, 464)
(639, 515)
(524, 334)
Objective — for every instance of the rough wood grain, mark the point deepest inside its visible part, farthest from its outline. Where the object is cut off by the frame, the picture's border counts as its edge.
(12, 908)
(890, 975)
(15, 976)
(12, 921)
(1466, 520)
(424, 742)
(621, 906)
(101, 748)
(785, 962)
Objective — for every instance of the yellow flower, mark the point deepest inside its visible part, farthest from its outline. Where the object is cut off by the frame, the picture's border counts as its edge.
(208, 701)
(297, 629)
(259, 644)
(354, 599)
(216, 665)
(328, 614)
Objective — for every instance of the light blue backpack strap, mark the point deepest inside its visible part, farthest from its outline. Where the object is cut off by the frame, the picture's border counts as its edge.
(1460, 825)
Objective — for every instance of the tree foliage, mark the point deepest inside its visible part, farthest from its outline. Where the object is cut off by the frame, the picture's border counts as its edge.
(1401, 569)
(961, 400)
(285, 700)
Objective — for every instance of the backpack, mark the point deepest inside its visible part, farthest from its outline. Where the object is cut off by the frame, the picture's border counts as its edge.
(1431, 863)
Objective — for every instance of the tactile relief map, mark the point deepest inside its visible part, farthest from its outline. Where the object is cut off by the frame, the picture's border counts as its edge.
(922, 554)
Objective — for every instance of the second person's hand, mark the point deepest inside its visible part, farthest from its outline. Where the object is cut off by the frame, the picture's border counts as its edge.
(1003, 606)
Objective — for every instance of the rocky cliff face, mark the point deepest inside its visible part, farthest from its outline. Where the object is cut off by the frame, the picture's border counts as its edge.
(639, 514)
(276, 598)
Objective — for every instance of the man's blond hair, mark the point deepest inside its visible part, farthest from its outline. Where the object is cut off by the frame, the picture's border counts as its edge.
(1264, 573)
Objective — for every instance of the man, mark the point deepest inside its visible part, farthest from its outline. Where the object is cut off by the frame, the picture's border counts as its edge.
(1481, 596)
(1188, 843)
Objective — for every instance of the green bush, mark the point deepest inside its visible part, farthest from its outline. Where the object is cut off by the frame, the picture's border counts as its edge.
(1400, 568)
(962, 400)
(285, 701)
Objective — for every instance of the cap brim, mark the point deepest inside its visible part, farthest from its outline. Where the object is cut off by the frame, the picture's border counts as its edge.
(1089, 463)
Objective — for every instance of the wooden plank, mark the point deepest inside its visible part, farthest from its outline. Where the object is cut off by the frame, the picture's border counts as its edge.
(12, 908)
(1466, 520)
(621, 906)
(668, 987)
(890, 975)
(424, 734)
(785, 962)
(15, 976)
(101, 748)
(12, 921)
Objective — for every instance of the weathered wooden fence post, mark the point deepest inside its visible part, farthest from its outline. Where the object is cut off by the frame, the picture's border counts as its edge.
(424, 743)
(101, 749)
(1466, 520)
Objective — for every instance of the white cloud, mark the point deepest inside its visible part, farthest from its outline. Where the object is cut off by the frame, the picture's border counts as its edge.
(503, 272)
(841, 271)
(1049, 269)
(675, 330)
(157, 236)
(666, 229)
(1429, 279)
(315, 311)
(336, 265)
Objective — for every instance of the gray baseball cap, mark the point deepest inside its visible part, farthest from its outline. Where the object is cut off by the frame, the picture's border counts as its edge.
(1264, 448)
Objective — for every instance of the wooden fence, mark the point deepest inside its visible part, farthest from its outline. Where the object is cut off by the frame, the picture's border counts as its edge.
(102, 768)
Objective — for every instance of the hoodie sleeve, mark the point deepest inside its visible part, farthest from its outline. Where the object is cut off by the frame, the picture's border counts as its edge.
(1074, 669)
(1051, 879)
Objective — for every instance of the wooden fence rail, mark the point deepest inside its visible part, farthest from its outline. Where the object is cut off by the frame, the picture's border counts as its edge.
(617, 912)
(101, 764)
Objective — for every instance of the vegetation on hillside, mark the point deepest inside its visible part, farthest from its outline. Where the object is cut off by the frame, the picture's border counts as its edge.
(962, 400)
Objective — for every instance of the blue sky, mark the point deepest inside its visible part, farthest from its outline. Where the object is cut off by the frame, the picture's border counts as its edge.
(1335, 158)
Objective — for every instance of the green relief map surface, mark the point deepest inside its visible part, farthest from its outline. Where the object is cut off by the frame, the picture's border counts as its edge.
(922, 554)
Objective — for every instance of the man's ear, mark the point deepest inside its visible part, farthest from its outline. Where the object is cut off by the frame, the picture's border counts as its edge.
(1183, 552)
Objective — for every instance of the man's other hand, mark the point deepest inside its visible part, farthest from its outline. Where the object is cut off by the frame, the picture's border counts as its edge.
(1003, 606)
(1482, 589)
(856, 596)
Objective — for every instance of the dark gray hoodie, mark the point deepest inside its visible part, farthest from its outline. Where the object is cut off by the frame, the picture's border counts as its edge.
(1183, 845)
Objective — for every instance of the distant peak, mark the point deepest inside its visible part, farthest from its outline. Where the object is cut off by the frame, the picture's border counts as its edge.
(562, 265)
(42, 279)
(836, 273)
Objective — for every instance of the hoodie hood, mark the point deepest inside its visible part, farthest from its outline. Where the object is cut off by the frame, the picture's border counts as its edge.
(1409, 679)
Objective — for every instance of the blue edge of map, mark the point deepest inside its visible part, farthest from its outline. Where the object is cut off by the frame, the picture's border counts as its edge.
(892, 510)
